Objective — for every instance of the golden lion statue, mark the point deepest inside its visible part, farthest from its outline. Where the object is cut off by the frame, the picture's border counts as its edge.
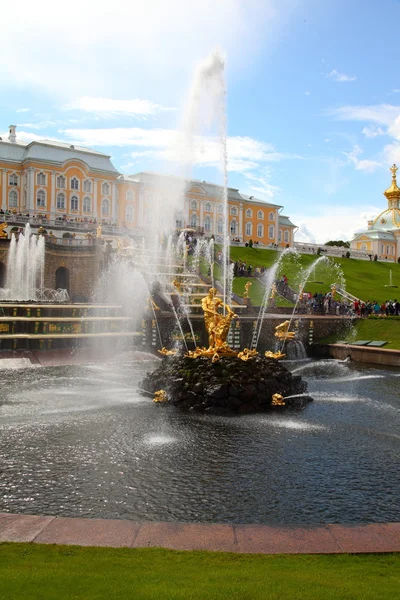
(3, 232)
(282, 331)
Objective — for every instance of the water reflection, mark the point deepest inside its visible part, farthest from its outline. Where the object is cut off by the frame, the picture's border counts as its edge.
(81, 441)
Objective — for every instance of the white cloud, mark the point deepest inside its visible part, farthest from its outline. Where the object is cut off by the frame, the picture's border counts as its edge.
(373, 132)
(307, 93)
(263, 186)
(109, 106)
(40, 124)
(26, 136)
(327, 140)
(22, 110)
(382, 114)
(340, 77)
(361, 164)
(99, 45)
(325, 223)
(244, 153)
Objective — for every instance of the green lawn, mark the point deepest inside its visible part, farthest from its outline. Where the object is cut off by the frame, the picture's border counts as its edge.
(364, 279)
(39, 572)
(371, 329)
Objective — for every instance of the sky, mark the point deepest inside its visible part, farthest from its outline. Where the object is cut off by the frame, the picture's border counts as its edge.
(313, 93)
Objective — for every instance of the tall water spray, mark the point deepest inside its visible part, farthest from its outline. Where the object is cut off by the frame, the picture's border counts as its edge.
(25, 267)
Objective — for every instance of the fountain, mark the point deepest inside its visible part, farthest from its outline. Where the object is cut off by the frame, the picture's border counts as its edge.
(25, 271)
(219, 380)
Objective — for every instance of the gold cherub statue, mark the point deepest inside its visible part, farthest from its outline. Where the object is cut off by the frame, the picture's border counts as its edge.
(282, 331)
(177, 284)
(247, 288)
(3, 232)
(98, 231)
(217, 325)
(277, 400)
(160, 396)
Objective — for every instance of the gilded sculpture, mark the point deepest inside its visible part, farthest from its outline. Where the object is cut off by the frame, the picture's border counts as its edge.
(282, 331)
(247, 288)
(3, 232)
(217, 324)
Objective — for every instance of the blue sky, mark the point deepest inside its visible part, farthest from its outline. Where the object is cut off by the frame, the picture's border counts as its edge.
(313, 93)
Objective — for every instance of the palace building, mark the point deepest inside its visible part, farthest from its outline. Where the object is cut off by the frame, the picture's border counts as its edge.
(382, 238)
(61, 181)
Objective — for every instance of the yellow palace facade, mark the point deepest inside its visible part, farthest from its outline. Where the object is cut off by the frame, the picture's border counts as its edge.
(63, 181)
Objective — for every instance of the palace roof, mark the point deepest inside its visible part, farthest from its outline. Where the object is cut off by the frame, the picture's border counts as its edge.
(54, 152)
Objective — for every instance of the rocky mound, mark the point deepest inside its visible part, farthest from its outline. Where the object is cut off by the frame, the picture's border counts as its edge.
(229, 385)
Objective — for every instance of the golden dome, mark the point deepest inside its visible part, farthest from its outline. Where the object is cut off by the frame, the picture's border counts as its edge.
(393, 192)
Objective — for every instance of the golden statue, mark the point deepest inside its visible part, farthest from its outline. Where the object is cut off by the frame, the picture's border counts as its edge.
(152, 304)
(160, 396)
(333, 290)
(217, 325)
(273, 291)
(275, 355)
(282, 331)
(247, 287)
(3, 232)
(247, 354)
(277, 400)
(177, 284)
(166, 352)
(98, 231)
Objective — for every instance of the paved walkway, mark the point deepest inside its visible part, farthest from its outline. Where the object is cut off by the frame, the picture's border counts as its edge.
(264, 539)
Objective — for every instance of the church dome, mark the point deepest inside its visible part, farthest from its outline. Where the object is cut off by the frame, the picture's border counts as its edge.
(393, 192)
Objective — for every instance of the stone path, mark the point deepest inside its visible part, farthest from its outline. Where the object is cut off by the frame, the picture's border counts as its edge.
(264, 539)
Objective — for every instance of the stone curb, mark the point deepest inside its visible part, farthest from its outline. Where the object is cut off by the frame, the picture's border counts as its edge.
(257, 539)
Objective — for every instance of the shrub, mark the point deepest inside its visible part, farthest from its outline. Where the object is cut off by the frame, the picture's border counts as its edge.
(250, 243)
(67, 235)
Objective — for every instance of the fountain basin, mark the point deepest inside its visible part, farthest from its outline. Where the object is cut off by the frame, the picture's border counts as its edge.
(227, 386)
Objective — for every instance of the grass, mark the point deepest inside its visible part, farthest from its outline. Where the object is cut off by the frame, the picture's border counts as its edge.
(41, 572)
(381, 329)
(364, 279)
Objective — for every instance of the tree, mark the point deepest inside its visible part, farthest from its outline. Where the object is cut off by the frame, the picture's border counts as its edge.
(250, 243)
(338, 243)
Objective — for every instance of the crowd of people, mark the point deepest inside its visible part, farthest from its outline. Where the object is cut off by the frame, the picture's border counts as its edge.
(241, 269)
(372, 307)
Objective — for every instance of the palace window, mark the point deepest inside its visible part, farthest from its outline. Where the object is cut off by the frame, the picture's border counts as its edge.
(87, 186)
(74, 203)
(41, 199)
(13, 180)
(129, 214)
(207, 224)
(249, 229)
(220, 209)
(220, 227)
(61, 182)
(12, 199)
(87, 204)
(260, 214)
(105, 188)
(74, 184)
(260, 230)
(363, 247)
(286, 237)
(208, 207)
(234, 211)
(280, 235)
(193, 221)
(271, 232)
(61, 201)
(41, 179)
(249, 213)
(234, 227)
(105, 207)
(129, 195)
(272, 216)
(193, 205)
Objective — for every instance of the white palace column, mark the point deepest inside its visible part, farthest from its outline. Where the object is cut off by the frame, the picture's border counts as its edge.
(201, 213)
(240, 222)
(95, 198)
(215, 218)
(53, 193)
(113, 201)
(4, 190)
(31, 188)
